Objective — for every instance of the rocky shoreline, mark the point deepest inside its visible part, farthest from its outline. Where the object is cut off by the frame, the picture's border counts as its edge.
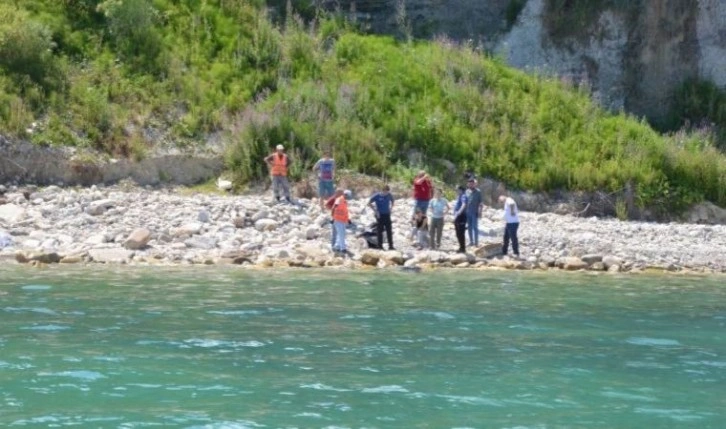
(126, 224)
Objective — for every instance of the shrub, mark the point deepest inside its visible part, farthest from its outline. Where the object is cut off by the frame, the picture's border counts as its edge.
(700, 105)
(26, 50)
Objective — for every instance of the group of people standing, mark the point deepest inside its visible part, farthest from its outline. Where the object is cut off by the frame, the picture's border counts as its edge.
(467, 207)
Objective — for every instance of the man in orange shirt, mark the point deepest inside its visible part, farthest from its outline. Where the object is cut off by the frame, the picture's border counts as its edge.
(341, 217)
(278, 163)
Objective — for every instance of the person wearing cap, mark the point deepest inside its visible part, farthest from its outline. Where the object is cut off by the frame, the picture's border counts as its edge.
(326, 176)
(278, 163)
(460, 218)
(423, 191)
(382, 204)
(341, 218)
(473, 211)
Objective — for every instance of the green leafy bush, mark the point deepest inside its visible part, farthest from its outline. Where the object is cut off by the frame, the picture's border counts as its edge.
(26, 50)
(124, 75)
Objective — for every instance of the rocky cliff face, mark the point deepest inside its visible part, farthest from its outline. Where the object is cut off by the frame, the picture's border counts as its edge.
(633, 54)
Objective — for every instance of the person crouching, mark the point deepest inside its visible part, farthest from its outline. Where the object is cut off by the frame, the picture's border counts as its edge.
(420, 231)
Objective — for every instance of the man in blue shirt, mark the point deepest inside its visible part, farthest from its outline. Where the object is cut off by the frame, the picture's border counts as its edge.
(473, 211)
(382, 204)
(460, 218)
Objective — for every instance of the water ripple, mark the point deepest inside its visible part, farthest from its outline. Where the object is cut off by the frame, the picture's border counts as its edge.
(655, 342)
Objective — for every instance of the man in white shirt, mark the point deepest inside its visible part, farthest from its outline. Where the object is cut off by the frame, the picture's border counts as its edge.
(511, 218)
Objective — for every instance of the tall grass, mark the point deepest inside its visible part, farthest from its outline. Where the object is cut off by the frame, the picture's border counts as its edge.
(128, 74)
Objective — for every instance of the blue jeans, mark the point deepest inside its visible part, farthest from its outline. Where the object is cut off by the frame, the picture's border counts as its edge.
(339, 236)
(422, 205)
(326, 188)
(332, 235)
(510, 233)
(472, 226)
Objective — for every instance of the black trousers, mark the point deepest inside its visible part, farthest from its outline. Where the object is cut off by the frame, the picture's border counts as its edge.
(510, 233)
(460, 227)
(384, 222)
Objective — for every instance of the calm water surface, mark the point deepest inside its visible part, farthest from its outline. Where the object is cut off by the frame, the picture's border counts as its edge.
(207, 347)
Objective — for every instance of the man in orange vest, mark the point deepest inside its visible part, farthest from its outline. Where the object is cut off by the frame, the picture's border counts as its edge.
(341, 217)
(278, 163)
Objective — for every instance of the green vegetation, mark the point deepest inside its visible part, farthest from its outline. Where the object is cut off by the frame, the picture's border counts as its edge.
(121, 75)
(700, 106)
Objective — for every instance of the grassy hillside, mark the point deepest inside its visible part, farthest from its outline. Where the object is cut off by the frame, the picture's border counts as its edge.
(124, 75)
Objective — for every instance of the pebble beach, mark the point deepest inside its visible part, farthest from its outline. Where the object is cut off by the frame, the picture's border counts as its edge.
(125, 224)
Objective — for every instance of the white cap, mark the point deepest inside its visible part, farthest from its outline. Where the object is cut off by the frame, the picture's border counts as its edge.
(280, 147)
(347, 193)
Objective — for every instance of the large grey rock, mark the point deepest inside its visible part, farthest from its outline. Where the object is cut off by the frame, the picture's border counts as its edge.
(312, 232)
(138, 239)
(262, 214)
(592, 258)
(203, 216)
(99, 207)
(708, 213)
(266, 225)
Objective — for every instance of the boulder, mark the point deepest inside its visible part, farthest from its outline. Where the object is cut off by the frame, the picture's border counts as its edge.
(262, 214)
(111, 255)
(393, 257)
(72, 259)
(203, 216)
(488, 250)
(312, 232)
(611, 260)
(459, 258)
(413, 262)
(239, 222)
(707, 212)
(572, 263)
(42, 257)
(614, 268)
(99, 207)
(236, 257)
(11, 213)
(97, 239)
(138, 239)
(188, 229)
(597, 266)
(591, 259)
(266, 225)
(370, 257)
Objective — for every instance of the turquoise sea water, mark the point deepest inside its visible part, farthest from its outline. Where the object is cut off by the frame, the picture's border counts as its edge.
(211, 347)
